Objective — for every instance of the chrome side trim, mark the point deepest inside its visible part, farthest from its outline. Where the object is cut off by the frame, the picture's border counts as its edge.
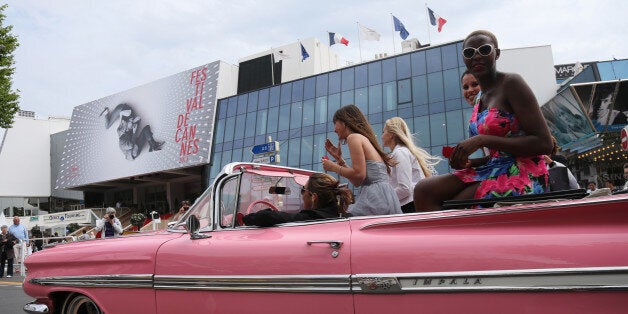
(556, 279)
(98, 281)
(531, 280)
(286, 283)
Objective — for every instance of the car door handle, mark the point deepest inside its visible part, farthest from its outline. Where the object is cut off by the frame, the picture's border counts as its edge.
(334, 244)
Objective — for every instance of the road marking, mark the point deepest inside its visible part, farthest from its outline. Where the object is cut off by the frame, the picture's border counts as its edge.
(9, 283)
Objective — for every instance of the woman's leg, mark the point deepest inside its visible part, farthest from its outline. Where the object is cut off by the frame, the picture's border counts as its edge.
(430, 193)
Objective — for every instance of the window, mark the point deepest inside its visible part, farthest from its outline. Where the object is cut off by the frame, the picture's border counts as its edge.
(334, 82)
(404, 69)
(273, 98)
(451, 80)
(438, 129)
(419, 66)
(389, 70)
(307, 149)
(286, 93)
(419, 90)
(252, 102)
(284, 118)
(362, 100)
(228, 202)
(361, 76)
(404, 91)
(435, 87)
(320, 113)
(220, 131)
(450, 56)
(422, 131)
(321, 85)
(333, 105)
(297, 90)
(390, 96)
(273, 120)
(375, 99)
(240, 125)
(294, 152)
(308, 113)
(229, 127)
(260, 126)
(232, 107)
(347, 79)
(375, 73)
(309, 88)
(242, 99)
(455, 127)
(251, 118)
(434, 60)
(262, 102)
(296, 115)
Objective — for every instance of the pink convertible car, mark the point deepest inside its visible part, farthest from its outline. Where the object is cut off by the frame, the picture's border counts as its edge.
(529, 256)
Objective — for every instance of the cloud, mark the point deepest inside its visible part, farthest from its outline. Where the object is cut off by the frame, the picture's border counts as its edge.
(73, 52)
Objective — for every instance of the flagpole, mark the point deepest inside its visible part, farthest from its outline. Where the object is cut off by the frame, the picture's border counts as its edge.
(272, 66)
(393, 32)
(359, 41)
(429, 39)
(329, 52)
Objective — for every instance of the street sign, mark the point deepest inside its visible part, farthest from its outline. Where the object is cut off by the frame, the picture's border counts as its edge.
(270, 147)
(270, 159)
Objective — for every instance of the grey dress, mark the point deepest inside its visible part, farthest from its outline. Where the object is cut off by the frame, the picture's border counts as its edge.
(377, 196)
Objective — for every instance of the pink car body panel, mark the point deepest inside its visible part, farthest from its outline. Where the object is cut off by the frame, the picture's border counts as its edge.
(561, 257)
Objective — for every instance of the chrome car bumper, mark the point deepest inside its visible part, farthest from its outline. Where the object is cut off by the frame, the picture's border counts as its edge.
(35, 308)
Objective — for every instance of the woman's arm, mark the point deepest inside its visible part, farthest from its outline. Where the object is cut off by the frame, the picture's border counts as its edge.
(403, 171)
(357, 172)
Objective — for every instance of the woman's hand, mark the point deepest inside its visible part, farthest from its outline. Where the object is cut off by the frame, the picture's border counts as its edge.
(334, 151)
(460, 157)
(329, 165)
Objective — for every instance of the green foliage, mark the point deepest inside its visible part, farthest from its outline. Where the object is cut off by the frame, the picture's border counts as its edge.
(8, 98)
(72, 227)
(137, 219)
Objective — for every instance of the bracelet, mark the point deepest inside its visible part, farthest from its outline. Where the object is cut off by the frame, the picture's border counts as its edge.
(339, 170)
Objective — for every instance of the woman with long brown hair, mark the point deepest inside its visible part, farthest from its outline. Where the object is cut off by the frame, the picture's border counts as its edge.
(370, 164)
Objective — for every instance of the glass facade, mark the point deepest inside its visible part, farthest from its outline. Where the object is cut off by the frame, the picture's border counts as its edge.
(423, 87)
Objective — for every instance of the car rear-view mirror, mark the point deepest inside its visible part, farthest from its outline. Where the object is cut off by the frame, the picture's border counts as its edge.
(279, 190)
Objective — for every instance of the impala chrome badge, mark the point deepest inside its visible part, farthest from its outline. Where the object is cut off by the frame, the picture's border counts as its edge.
(379, 285)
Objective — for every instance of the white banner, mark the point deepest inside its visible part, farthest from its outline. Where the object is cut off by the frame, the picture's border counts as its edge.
(64, 218)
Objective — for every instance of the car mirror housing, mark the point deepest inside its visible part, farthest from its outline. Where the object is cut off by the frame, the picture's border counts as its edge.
(192, 225)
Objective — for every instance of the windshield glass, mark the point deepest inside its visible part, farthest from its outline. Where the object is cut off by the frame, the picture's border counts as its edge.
(256, 192)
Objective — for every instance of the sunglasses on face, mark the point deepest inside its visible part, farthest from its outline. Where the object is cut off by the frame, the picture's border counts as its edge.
(483, 50)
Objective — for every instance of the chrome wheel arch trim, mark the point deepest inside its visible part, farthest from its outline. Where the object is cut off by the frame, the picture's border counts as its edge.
(533, 280)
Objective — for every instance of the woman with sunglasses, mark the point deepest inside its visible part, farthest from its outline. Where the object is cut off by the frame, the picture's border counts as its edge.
(323, 198)
(508, 121)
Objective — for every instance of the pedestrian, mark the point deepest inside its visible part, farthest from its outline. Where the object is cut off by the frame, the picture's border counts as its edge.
(109, 224)
(19, 231)
(7, 241)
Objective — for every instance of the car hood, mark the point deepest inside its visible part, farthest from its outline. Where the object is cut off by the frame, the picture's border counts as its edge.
(133, 254)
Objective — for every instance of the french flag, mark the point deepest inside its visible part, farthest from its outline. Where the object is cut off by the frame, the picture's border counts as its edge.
(335, 38)
(434, 18)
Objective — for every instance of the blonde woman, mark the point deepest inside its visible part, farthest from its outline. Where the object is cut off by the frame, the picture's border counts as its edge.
(413, 163)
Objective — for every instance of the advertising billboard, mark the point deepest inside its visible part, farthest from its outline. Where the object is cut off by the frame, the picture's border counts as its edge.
(166, 124)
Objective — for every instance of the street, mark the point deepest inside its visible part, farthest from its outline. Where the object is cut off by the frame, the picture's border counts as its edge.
(12, 297)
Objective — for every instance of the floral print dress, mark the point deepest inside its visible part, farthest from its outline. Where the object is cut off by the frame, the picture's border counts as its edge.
(504, 174)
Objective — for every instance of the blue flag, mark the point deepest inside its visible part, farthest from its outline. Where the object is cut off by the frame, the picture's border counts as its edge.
(304, 54)
(403, 32)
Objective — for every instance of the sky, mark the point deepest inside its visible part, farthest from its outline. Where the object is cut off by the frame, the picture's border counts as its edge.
(76, 51)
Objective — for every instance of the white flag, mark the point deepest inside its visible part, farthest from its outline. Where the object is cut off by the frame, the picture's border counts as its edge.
(279, 55)
(368, 34)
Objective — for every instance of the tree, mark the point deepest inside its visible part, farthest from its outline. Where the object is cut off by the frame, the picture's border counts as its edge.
(8, 98)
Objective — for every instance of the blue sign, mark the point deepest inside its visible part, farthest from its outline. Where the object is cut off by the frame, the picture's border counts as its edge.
(266, 148)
